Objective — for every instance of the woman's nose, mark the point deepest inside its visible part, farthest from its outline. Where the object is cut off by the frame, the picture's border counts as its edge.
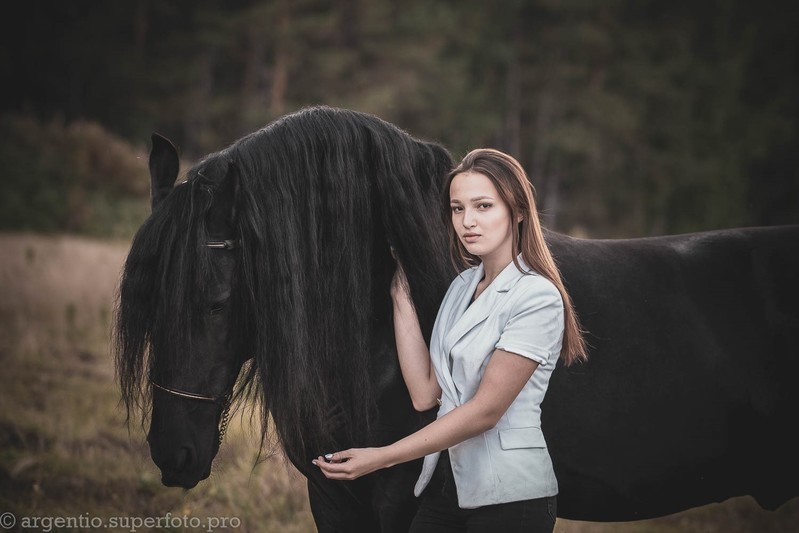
(468, 219)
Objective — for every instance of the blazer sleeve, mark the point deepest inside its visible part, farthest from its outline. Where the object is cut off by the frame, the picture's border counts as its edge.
(535, 326)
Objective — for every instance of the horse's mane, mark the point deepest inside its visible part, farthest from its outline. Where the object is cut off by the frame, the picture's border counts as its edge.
(320, 194)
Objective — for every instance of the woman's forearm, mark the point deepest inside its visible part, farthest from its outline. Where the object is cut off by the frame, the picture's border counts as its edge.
(414, 356)
(467, 421)
(504, 378)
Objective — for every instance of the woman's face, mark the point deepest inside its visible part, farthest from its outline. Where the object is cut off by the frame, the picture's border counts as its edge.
(482, 220)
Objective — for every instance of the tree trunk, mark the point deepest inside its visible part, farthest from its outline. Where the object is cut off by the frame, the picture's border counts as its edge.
(349, 23)
(140, 29)
(251, 87)
(280, 77)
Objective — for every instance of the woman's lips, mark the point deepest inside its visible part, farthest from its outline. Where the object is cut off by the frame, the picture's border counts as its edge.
(471, 237)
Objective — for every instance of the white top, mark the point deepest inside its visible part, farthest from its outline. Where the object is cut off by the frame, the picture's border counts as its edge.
(518, 313)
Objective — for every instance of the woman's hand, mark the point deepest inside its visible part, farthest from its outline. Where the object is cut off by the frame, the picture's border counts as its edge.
(351, 464)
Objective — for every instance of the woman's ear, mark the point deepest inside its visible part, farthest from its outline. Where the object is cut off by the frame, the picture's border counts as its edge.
(519, 217)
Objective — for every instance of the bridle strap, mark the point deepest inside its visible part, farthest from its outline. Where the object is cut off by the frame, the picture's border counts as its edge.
(227, 244)
(223, 402)
(189, 395)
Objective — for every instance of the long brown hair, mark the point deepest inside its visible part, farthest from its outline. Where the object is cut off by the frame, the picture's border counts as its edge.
(517, 192)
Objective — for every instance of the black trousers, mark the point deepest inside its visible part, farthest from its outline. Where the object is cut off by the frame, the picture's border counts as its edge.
(439, 511)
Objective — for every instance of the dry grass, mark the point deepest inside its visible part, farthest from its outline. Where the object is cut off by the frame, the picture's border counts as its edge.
(66, 450)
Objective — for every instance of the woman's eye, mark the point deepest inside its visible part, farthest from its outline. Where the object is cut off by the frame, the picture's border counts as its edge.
(484, 206)
(456, 209)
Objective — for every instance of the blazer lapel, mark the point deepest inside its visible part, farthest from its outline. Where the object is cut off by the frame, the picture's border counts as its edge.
(459, 304)
(467, 317)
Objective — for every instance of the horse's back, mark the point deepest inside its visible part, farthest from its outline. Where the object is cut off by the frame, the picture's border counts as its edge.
(688, 395)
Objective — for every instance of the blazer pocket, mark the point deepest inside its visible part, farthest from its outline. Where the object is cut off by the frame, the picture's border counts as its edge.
(530, 437)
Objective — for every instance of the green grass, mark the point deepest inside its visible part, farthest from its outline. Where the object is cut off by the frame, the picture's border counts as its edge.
(65, 449)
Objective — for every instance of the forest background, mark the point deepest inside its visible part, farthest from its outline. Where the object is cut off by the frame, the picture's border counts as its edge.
(632, 117)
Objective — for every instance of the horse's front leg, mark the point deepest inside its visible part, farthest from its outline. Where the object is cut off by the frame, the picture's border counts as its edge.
(342, 506)
(392, 499)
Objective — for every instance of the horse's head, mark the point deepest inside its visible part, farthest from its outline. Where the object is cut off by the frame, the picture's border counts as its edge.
(176, 349)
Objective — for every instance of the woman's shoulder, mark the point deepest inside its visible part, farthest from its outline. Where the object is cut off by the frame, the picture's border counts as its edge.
(531, 284)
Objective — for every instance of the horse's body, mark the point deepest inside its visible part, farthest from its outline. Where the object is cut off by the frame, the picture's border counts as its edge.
(686, 398)
(689, 394)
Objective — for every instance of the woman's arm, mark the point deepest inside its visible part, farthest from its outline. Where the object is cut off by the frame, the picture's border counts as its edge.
(414, 356)
(504, 377)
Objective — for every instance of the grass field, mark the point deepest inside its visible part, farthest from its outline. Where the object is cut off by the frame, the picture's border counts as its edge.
(65, 450)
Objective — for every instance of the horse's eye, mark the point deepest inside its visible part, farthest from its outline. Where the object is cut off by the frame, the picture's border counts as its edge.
(216, 309)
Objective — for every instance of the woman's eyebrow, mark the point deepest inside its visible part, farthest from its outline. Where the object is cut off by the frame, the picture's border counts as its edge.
(475, 199)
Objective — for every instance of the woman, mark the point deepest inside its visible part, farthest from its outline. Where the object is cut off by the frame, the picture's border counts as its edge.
(499, 332)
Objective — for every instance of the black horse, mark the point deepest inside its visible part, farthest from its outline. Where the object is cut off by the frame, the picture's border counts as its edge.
(276, 251)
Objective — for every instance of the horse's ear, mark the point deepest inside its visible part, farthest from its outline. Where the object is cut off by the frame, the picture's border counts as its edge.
(164, 167)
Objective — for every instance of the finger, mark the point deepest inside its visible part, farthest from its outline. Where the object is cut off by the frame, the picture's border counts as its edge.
(338, 457)
(324, 463)
(337, 476)
(334, 469)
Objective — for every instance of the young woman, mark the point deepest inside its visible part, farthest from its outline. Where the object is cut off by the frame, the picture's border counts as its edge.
(499, 332)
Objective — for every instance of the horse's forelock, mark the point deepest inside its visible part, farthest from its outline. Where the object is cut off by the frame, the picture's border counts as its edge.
(158, 301)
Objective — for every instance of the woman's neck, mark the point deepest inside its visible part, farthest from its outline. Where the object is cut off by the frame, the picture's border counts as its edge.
(494, 264)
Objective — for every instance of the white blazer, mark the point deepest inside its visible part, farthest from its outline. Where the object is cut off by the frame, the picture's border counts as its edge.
(518, 313)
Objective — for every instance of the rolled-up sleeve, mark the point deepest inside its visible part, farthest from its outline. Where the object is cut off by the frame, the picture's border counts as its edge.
(535, 326)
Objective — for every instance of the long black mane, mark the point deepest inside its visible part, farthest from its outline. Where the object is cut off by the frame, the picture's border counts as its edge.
(319, 195)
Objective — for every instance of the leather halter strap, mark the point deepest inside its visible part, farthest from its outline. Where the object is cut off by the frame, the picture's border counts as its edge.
(189, 395)
(227, 244)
